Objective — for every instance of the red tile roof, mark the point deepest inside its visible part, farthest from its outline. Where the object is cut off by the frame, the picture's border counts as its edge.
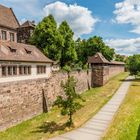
(8, 18)
(11, 51)
(28, 24)
(98, 58)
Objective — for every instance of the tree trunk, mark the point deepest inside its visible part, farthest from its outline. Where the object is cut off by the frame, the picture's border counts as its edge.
(70, 119)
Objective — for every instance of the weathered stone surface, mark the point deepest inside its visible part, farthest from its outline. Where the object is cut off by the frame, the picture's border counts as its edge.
(22, 100)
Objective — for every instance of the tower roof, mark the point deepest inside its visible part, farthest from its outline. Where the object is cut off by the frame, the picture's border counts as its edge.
(28, 24)
(97, 58)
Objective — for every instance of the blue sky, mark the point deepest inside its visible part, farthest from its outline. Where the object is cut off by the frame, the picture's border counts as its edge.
(116, 21)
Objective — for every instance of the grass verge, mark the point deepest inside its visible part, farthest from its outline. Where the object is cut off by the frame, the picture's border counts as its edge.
(52, 123)
(126, 123)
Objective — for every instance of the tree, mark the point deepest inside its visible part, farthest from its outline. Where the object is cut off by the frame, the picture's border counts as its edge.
(82, 52)
(133, 64)
(119, 57)
(90, 47)
(69, 104)
(47, 38)
(68, 52)
(95, 44)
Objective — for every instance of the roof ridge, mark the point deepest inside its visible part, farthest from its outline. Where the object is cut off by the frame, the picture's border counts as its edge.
(14, 16)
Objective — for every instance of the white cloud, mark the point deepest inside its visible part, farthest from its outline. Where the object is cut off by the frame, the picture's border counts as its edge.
(125, 46)
(128, 12)
(79, 18)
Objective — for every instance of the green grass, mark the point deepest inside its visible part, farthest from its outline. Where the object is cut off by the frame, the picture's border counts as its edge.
(52, 123)
(126, 123)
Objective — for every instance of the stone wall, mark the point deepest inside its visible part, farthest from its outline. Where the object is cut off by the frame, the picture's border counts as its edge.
(24, 99)
(102, 73)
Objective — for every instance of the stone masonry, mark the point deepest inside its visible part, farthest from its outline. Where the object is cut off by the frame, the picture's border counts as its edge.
(22, 100)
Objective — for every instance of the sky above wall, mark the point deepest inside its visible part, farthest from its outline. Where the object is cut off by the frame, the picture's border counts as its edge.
(116, 21)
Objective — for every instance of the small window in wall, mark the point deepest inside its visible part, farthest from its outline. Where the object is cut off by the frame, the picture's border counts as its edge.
(3, 70)
(15, 70)
(29, 69)
(24, 70)
(9, 70)
(21, 70)
(28, 51)
(4, 35)
(13, 50)
(12, 37)
(41, 69)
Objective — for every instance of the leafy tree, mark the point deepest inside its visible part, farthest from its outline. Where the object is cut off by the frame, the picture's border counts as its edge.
(90, 47)
(133, 64)
(95, 44)
(82, 52)
(47, 38)
(69, 104)
(119, 57)
(68, 52)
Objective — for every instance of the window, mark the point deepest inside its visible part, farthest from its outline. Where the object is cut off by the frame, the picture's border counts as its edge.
(13, 50)
(9, 70)
(24, 70)
(14, 70)
(12, 37)
(20, 70)
(29, 69)
(4, 70)
(28, 51)
(4, 35)
(41, 69)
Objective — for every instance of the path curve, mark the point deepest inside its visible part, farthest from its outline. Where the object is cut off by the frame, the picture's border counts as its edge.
(95, 127)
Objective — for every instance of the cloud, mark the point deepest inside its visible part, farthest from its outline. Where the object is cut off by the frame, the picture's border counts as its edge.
(79, 18)
(128, 12)
(125, 46)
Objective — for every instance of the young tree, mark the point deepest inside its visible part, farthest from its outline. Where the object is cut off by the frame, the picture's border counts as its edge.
(69, 104)
(47, 38)
(68, 52)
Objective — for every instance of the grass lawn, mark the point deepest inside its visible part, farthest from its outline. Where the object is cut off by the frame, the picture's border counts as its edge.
(126, 124)
(52, 123)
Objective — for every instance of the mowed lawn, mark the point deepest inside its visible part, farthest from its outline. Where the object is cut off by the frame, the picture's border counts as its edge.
(126, 124)
(52, 123)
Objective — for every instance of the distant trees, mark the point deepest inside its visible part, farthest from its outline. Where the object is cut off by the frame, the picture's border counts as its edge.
(119, 57)
(133, 64)
(58, 44)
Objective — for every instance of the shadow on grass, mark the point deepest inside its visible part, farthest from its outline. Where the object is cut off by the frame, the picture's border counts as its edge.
(50, 127)
(138, 133)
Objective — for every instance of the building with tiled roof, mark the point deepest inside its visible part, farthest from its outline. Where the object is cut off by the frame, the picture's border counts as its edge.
(25, 31)
(103, 70)
(98, 58)
(8, 24)
(19, 61)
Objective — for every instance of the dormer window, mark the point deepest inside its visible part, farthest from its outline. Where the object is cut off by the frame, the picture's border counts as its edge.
(12, 50)
(4, 35)
(28, 51)
(12, 37)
